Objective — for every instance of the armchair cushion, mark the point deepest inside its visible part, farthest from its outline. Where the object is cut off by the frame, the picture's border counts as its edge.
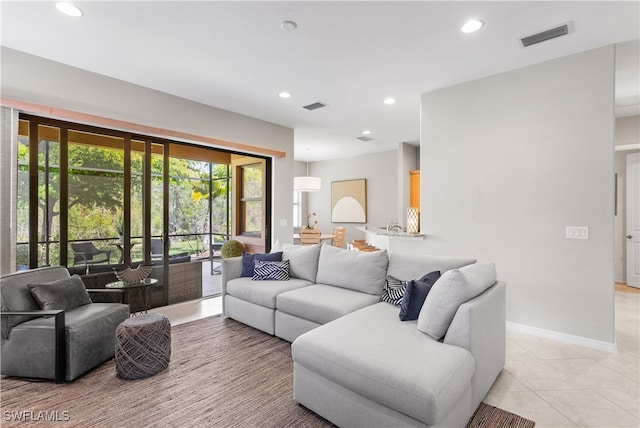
(15, 295)
(65, 294)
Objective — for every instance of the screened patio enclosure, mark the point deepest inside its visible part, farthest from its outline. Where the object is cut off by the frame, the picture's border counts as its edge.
(91, 198)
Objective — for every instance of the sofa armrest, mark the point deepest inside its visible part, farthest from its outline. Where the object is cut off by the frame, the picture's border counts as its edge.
(60, 349)
(479, 326)
(231, 269)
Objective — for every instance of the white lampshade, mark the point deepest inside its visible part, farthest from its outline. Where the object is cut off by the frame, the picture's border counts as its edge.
(306, 184)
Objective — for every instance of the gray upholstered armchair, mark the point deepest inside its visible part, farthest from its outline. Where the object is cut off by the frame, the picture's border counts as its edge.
(50, 327)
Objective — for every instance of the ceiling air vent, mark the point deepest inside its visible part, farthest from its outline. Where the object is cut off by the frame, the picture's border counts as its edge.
(314, 106)
(543, 36)
(365, 138)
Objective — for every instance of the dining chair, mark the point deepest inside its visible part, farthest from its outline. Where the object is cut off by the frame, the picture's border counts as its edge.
(339, 234)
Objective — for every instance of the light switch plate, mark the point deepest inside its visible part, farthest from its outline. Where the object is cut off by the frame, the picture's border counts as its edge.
(577, 232)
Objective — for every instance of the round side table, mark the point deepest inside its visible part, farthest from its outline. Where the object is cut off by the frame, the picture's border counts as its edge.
(139, 293)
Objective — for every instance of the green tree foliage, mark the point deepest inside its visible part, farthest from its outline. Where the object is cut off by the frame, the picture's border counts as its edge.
(96, 181)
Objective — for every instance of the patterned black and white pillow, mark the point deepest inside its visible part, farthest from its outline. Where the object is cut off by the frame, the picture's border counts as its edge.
(393, 291)
(269, 270)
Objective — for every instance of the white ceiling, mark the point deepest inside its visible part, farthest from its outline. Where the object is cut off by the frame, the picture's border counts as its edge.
(348, 55)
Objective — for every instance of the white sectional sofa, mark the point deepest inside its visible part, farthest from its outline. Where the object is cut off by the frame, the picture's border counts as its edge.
(355, 362)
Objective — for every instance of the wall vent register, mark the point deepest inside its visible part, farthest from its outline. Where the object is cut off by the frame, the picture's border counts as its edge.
(314, 106)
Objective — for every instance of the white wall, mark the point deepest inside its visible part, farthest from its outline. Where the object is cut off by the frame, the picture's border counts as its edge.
(627, 132)
(29, 78)
(507, 162)
(381, 172)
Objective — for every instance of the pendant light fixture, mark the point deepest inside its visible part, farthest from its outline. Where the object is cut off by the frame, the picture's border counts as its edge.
(307, 183)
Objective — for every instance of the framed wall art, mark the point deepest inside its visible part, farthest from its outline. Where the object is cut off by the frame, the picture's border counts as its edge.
(349, 201)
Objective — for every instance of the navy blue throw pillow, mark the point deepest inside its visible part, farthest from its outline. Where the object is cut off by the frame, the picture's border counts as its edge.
(249, 261)
(415, 294)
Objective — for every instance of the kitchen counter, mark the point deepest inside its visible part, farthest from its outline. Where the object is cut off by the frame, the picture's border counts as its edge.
(382, 231)
(393, 242)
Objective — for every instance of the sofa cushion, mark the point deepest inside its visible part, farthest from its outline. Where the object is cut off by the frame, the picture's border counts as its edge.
(249, 260)
(406, 266)
(397, 367)
(415, 294)
(453, 289)
(262, 293)
(303, 259)
(355, 270)
(322, 303)
(267, 270)
(65, 294)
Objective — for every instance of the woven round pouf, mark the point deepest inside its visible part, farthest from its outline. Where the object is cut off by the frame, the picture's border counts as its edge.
(143, 346)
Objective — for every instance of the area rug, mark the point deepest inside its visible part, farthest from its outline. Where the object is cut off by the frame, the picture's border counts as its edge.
(222, 374)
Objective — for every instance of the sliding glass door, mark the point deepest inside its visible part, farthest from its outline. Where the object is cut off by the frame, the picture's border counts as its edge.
(92, 199)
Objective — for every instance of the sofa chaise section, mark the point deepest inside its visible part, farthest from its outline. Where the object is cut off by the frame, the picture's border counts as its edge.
(401, 369)
(370, 369)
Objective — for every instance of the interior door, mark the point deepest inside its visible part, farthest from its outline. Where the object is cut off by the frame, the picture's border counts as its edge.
(633, 220)
(251, 204)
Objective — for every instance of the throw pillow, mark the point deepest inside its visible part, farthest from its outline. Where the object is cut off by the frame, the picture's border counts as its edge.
(274, 271)
(354, 270)
(303, 259)
(249, 260)
(415, 295)
(393, 290)
(453, 289)
(65, 294)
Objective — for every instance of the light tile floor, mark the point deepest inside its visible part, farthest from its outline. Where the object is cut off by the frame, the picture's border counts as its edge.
(552, 383)
(561, 385)
(192, 310)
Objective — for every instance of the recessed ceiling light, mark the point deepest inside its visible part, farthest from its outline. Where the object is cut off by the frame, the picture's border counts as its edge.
(68, 9)
(284, 94)
(472, 25)
(390, 101)
(366, 132)
(288, 25)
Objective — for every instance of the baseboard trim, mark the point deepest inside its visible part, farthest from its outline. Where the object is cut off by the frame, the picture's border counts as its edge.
(563, 337)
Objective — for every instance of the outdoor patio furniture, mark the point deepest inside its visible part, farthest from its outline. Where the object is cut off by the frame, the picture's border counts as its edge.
(215, 255)
(157, 248)
(86, 253)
